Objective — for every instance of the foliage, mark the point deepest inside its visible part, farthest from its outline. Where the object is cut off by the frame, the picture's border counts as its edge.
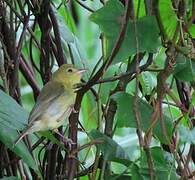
(135, 104)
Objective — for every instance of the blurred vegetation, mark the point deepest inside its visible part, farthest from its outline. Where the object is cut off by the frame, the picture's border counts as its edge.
(136, 102)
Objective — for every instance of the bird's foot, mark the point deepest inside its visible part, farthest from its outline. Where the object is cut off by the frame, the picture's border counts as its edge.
(67, 142)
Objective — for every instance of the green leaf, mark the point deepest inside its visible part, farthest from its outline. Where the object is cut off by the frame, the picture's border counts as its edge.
(66, 34)
(148, 82)
(187, 135)
(107, 87)
(110, 149)
(135, 171)
(110, 17)
(193, 98)
(163, 170)
(140, 5)
(11, 114)
(157, 156)
(184, 68)
(126, 115)
(67, 16)
(89, 111)
(10, 178)
(192, 30)
(168, 15)
(12, 117)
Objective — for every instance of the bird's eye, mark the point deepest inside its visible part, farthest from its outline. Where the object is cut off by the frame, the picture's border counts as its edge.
(69, 70)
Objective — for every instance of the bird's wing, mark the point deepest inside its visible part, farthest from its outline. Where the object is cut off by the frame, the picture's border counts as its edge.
(49, 94)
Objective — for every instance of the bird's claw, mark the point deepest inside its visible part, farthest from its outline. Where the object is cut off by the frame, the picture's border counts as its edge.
(67, 142)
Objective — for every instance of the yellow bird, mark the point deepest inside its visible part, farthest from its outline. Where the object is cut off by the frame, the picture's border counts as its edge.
(55, 102)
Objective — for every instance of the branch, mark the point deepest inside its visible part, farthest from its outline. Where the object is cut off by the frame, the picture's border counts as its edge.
(127, 74)
(60, 55)
(17, 56)
(22, 20)
(72, 163)
(85, 7)
(45, 26)
(114, 51)
(25, 69)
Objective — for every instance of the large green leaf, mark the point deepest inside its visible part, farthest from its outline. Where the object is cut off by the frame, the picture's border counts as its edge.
(106, 88)
(67, 16)
(140, 9)
(126, 115)
(148, 82)
(186, 135)
(110, 17)
(89, 111)
(10, 178)
(135, 171)
(66, 34)
(110, 149)
(163, 169)
(11, 114)
(184, 69)
(12, 117)
(168, 15)
(192, 30)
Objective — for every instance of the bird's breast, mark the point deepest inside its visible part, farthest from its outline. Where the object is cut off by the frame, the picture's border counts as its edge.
(58, 112)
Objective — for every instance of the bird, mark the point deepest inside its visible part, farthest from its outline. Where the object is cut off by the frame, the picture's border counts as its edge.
(55, 101)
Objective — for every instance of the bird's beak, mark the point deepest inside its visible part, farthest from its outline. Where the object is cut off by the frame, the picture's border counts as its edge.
(81, 71)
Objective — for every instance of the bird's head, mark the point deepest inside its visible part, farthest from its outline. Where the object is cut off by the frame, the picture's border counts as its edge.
(68, 75)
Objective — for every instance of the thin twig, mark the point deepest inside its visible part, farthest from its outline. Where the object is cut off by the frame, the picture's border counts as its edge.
(115, 49)
(22, 20)
(2, 69)
(18, 53)
(85, 7)
(61, 58)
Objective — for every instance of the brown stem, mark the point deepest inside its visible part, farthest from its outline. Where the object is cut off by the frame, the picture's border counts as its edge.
(73, 129)
(60, 54)
(25, 69)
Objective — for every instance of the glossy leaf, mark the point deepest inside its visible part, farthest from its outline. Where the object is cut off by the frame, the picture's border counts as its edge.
(66, 34)
(148, 82)
(192, 30)
(163, 170)
(184, 68)
(135, 171)
(65, 12)
(107, 87)
(10, 178)
(186, 135)
(110, 149)
(11, 114)
(12, 117)
(168, 15)
(89, 111)
(126, 115)
(110, 17)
